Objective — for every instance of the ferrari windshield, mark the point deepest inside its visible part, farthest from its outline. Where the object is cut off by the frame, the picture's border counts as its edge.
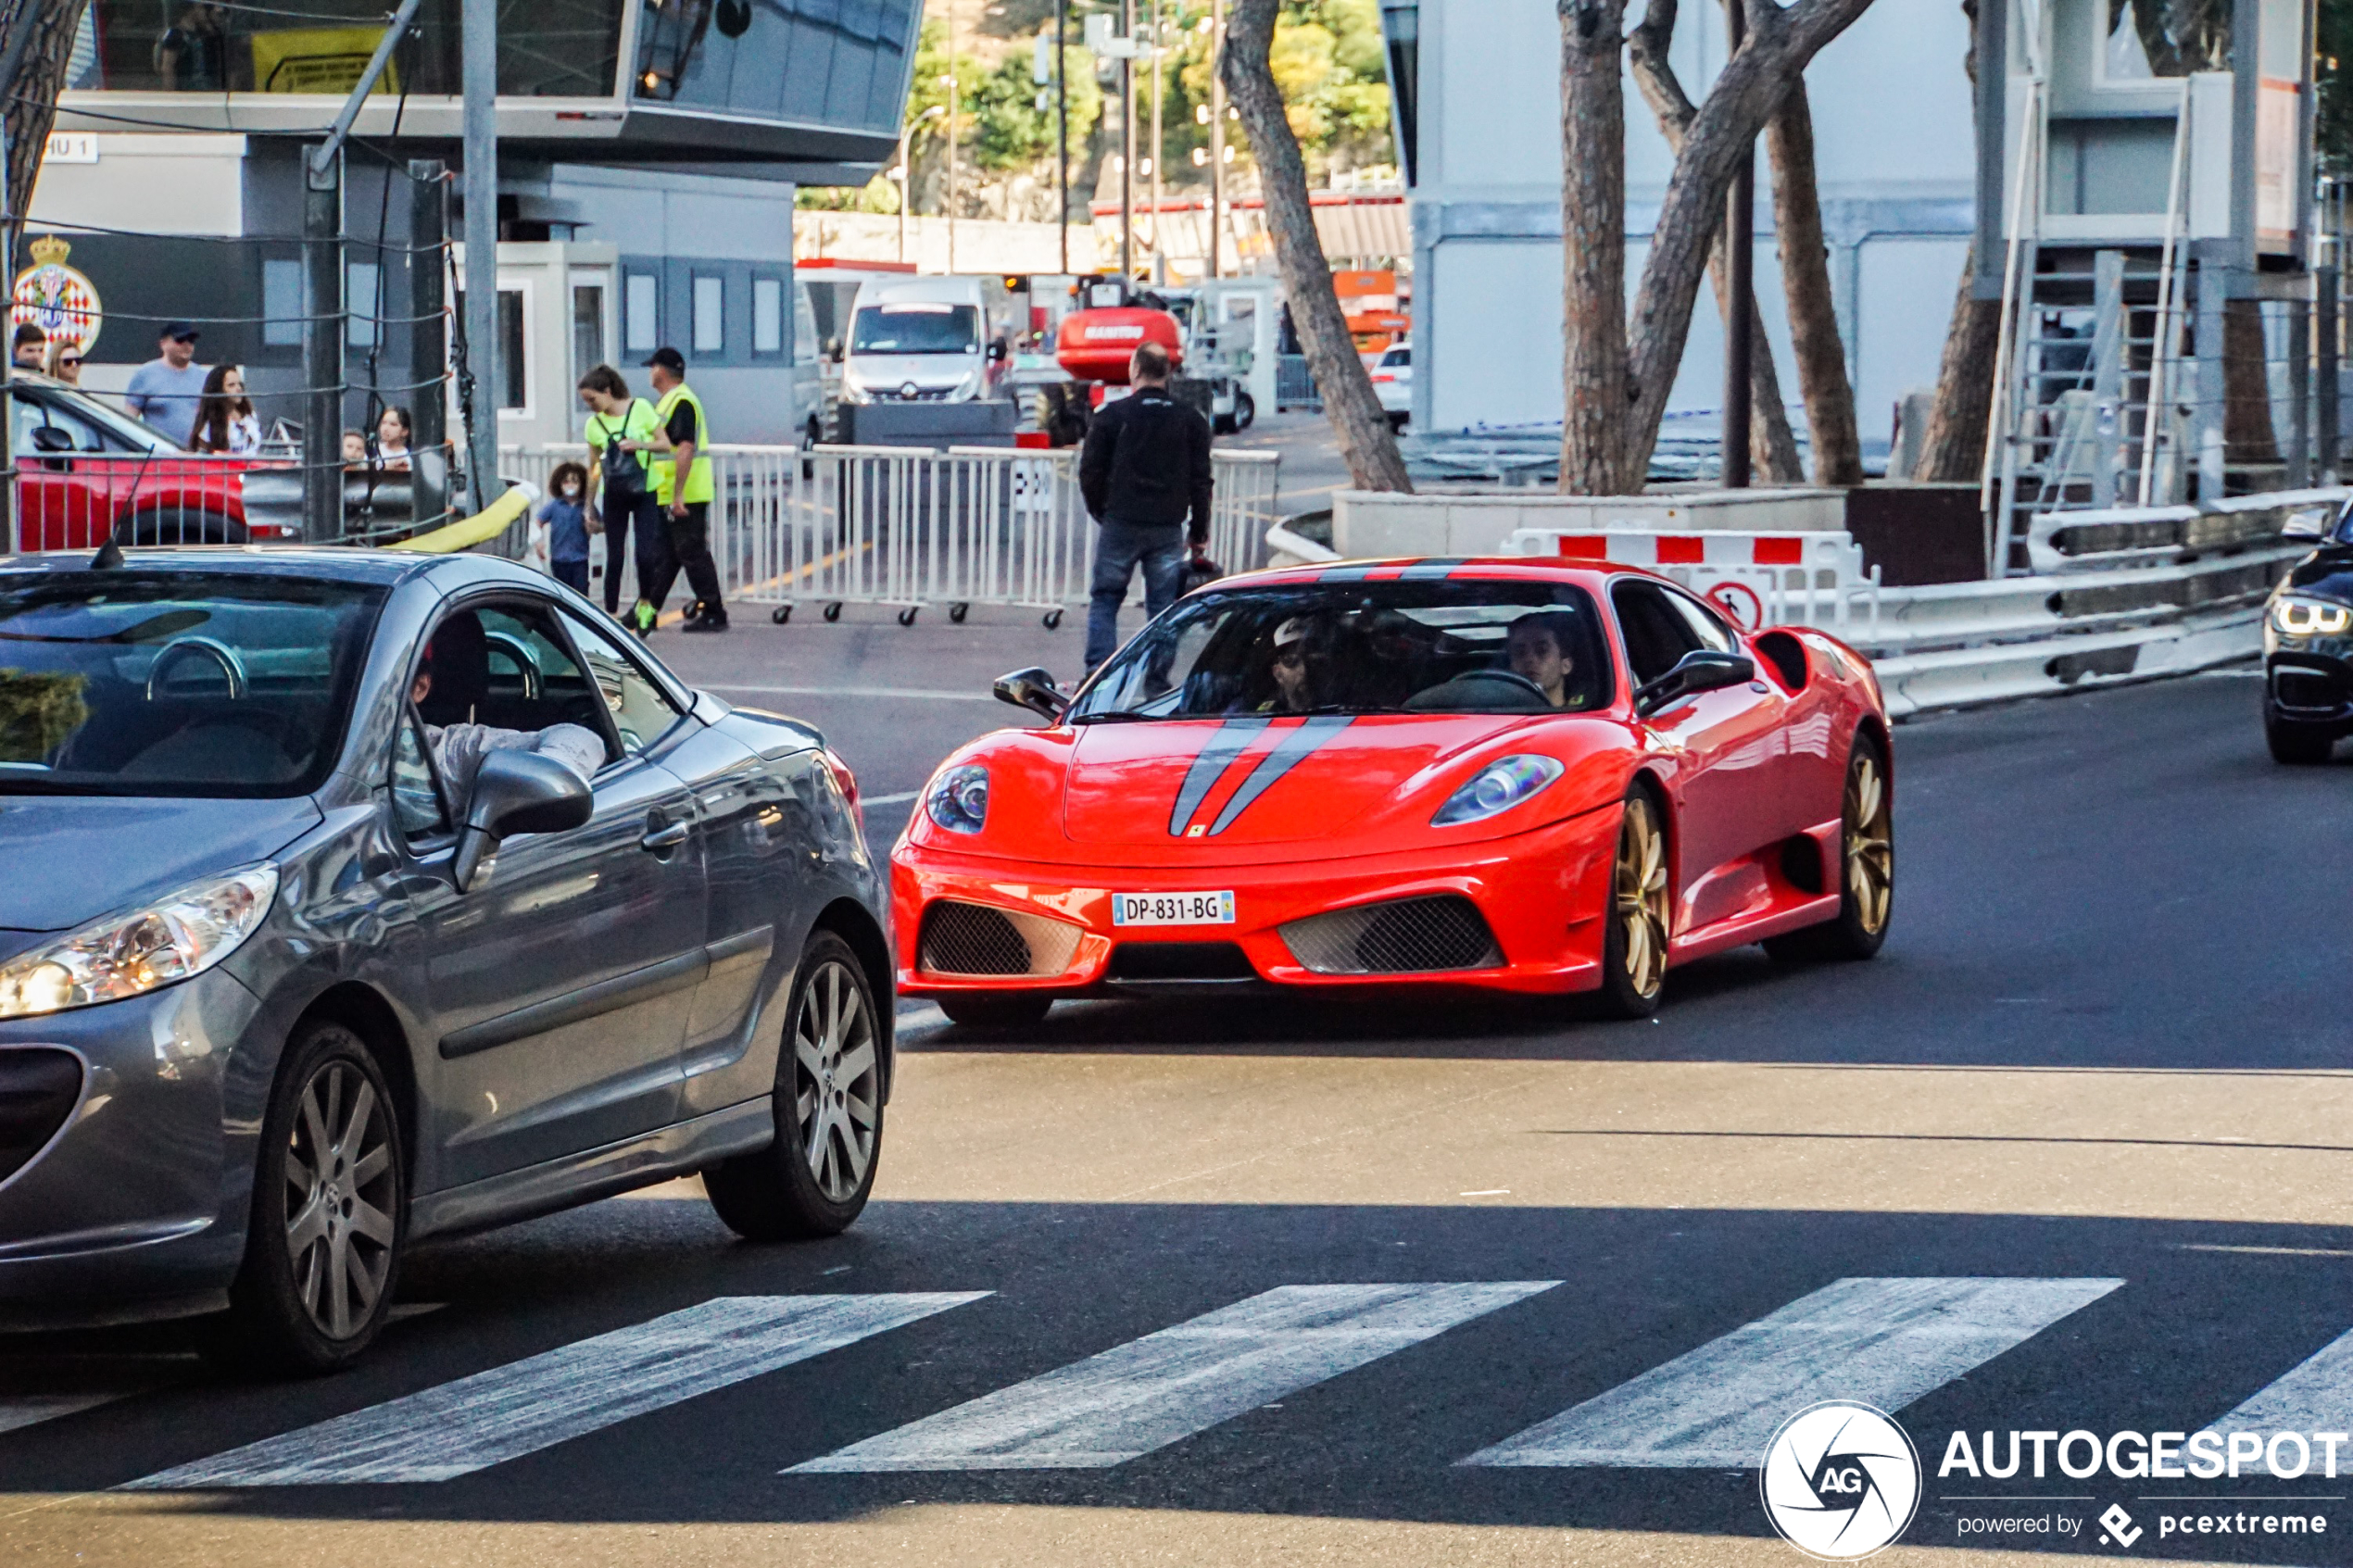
(175, 682)
(1399, 646)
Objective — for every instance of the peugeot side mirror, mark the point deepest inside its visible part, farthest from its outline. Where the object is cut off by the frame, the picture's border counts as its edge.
(52, 438)
(516, 792)
(1034, 689)
(1702, 669)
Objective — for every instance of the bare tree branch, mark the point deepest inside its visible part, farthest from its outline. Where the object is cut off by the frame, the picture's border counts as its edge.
(30, 107)
(1772, 444)
(1366, 444)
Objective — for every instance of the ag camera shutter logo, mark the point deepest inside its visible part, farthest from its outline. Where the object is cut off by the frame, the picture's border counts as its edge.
(1841, 1480)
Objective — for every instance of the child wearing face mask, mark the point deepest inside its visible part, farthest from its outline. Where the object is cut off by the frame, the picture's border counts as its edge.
(565, 511)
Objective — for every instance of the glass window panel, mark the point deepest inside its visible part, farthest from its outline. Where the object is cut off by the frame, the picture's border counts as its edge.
(640, 710)
(587, 327)
(710, 318)
(281, 304)
(362, 279)
(417, 805)
(767, 316)
(645, 325)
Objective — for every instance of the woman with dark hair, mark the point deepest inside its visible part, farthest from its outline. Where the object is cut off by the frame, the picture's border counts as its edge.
(225, 420)
(615, 417)
(393, 433)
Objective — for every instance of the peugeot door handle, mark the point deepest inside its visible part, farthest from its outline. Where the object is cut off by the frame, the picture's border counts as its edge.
(663, 839)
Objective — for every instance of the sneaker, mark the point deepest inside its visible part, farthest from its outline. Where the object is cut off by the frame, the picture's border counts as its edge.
(642, 617)
(712, 620)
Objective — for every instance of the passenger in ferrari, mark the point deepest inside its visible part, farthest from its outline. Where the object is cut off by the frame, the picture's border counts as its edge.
(1287, 667)
(1537, 648)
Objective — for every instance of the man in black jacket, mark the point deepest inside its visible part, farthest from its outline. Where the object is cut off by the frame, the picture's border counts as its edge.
(1144, 470)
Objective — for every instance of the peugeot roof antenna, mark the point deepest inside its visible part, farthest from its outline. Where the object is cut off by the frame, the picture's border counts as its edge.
(109, 557)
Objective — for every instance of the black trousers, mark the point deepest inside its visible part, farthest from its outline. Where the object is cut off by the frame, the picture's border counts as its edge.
(653, 542)
(690, 553)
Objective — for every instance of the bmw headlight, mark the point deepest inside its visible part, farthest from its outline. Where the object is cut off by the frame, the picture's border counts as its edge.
(958, 800)
(125, 955)
(1498, 788)
(2299, 615)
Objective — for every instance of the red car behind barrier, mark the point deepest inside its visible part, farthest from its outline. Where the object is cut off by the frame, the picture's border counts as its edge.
(86, 472)
(1516, 775)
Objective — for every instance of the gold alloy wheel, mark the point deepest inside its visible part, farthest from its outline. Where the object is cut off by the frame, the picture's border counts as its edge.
(1870, 852)
(1639, 893)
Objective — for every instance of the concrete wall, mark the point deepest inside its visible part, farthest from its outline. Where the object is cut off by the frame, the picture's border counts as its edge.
(1895, 155)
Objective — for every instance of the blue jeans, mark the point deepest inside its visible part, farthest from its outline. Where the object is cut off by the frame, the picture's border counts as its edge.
(1120, 547)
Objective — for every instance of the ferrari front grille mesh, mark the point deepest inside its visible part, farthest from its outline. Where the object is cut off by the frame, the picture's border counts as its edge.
(974, 939)
(1405, 937)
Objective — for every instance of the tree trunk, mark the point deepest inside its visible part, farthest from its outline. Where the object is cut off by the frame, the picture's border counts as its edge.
(1806, 280)
(1750, 87)
(1772, 446)
(1597, 458)
(1953, 446)
(2248, 432)
(1366, 444)
(32, 106)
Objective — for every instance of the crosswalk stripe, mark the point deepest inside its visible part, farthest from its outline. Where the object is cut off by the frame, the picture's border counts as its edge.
(1883, 1342)
(2316, 1395)
(519, 1408)
(1151, 1392)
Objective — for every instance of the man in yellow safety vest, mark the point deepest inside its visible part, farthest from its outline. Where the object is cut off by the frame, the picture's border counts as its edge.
(683, 489)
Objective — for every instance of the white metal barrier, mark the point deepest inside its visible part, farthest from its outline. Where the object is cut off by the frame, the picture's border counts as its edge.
(1763, 579)
(905, 527)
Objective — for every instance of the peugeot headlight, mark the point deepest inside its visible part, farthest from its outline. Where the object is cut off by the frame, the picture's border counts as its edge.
(124, 955)
(958, 800)
(2298, 615)
(1498, 787)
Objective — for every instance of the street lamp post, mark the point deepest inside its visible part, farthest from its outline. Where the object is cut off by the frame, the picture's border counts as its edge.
(1061, 128)
(952, 135)
(1216, 134)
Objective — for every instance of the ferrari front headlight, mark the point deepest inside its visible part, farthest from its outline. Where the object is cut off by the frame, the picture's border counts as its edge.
(1497, 788)
(958, 798)
(126, 955)
(2300, 615)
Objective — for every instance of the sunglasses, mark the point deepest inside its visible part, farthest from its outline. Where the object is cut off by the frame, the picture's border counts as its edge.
(71, 361)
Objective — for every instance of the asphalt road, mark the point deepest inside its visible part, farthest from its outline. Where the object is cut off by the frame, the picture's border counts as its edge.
(2076, 1141)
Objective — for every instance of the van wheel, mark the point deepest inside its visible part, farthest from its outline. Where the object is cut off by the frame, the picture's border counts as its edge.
(1245, 411)
(330, 1212)
(828, 1104)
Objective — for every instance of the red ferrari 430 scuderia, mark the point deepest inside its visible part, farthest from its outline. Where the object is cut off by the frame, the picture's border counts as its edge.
(1507, 774)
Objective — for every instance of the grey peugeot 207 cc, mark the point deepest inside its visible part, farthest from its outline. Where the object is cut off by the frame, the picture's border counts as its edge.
(280, 991)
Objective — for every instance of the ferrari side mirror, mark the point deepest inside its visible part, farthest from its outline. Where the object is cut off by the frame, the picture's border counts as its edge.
(1702, 669)
(1034, 689)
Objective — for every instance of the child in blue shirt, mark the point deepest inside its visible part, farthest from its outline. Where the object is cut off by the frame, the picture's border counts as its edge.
(565, 512)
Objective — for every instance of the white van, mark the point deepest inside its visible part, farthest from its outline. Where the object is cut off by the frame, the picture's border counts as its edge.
(928, 340)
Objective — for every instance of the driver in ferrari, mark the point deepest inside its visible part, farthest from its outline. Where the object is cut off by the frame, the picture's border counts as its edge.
(1537, 649)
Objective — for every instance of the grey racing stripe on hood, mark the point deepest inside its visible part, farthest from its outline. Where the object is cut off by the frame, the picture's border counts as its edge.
(1289, 753)
(1232, 738)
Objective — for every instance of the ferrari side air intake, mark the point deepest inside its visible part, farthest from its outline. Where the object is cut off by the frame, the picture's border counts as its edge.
(1402, 936)
(975, 940)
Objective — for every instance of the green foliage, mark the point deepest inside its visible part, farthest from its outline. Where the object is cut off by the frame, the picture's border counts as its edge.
(1006, 128)
(2333, 45)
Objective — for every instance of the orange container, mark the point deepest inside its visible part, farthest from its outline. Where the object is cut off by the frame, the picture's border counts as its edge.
(1094, 345)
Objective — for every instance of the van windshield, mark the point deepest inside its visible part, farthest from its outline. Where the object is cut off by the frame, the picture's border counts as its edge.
(916, 329)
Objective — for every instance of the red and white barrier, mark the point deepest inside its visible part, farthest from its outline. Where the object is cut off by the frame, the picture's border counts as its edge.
(1761, 578)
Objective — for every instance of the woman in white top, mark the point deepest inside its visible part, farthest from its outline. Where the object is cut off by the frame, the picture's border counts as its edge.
(225, 420)
(393, 431)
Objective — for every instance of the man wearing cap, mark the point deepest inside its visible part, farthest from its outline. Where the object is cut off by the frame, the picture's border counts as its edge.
(167, 390)
(683, 489)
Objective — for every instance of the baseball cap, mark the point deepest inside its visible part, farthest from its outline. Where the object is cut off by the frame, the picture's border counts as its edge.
(180, 330)
(669, 360)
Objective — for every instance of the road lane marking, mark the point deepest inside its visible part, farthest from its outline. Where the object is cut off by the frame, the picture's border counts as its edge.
(1153, 1391)
(525, 1405)
(1882, 1342)
(30, 1410)
(909, 693)
(2316, 1395)
(900, 799)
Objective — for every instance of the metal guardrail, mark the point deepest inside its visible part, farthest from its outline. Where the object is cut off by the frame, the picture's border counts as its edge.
(1294, 387)
(908, 527)
(2095, 541)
